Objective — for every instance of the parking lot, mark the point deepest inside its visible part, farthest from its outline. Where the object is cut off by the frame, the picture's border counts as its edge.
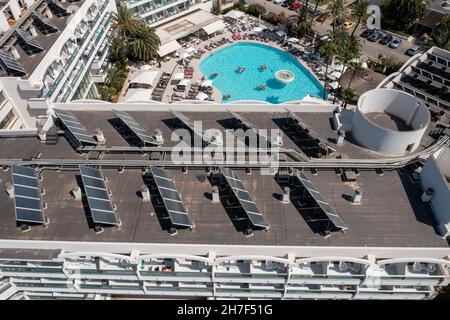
(369, 49)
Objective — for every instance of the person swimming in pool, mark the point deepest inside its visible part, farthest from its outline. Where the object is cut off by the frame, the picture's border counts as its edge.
(263, 67)
(226, 96)
(261, 87)
(240, 69)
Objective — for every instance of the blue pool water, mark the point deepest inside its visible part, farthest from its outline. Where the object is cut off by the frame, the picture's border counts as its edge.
(243, 86)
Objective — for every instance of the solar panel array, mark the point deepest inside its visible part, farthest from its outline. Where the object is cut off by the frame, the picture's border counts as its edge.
(76, 130)
(334, 218)
(171, 198)
(100, 205)
(27, 195)
(188, 123)
(244, 198)
(135, 127)
(28, 40)
(264, 140)
(309, 131)
(10, 64)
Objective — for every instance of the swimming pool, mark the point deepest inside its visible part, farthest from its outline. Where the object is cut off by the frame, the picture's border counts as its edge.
(244, 85)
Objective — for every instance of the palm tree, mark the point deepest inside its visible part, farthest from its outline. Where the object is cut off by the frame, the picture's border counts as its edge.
(316, 6)
(143, 43)
(359, 12)
(115, 77)
(124, 21)
(139, 41)
(301, 24)
(347, 95)
(357, 67)
(329, 50)
(348, 50)
(336, 8)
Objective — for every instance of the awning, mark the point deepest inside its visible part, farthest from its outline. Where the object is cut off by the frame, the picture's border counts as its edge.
(214, 27)
(235, 14)
(168, 47)
(144, 76)
(134, 95)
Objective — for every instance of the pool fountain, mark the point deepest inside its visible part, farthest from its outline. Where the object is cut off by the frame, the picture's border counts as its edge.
(284, 76)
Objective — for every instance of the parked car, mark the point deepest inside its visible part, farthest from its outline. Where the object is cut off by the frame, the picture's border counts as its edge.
(395, 43)
(322, 17)
(278, 1)
(295, 6)
(377, 35)
(415, 49)
(287, 3)
(348, 24)
(367, 33)
(386, 39)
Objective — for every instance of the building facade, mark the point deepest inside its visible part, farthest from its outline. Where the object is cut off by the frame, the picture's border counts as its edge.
(54, 52)
(157, 12)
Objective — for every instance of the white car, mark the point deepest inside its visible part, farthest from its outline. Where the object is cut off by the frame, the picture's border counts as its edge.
(278, 1)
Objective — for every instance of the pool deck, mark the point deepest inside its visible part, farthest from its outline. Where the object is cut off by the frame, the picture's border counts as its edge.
(173, 66)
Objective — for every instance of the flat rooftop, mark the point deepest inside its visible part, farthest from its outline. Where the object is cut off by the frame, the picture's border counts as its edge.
(390, 215)
(58, 147)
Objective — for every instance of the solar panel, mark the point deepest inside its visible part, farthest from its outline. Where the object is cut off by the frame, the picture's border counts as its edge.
(47, 24)
(100, 204)
(134, 126)
(308, 129)
(27, 195)
(335, 219)
(10, 64)
(57, 8)
(249, 206)
(171, 198)
(28, 40)
(264, 139)
(76, 130)
(188, 123)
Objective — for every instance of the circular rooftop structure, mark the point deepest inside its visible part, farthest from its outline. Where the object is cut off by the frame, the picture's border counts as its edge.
(389, 121)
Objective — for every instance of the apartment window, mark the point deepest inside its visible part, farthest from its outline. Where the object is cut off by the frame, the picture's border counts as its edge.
(8, 120)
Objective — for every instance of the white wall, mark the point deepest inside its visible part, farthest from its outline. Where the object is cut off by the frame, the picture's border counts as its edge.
(399, 104)
(432, 176)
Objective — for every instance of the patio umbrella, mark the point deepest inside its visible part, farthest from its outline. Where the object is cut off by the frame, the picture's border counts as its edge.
(178, 76)
(184, 82)
(336, 74)
(334, 85)
(202, 96)
(293, 40)
(190, 50)
(207, 83)
(185, 56)
(257, 29)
